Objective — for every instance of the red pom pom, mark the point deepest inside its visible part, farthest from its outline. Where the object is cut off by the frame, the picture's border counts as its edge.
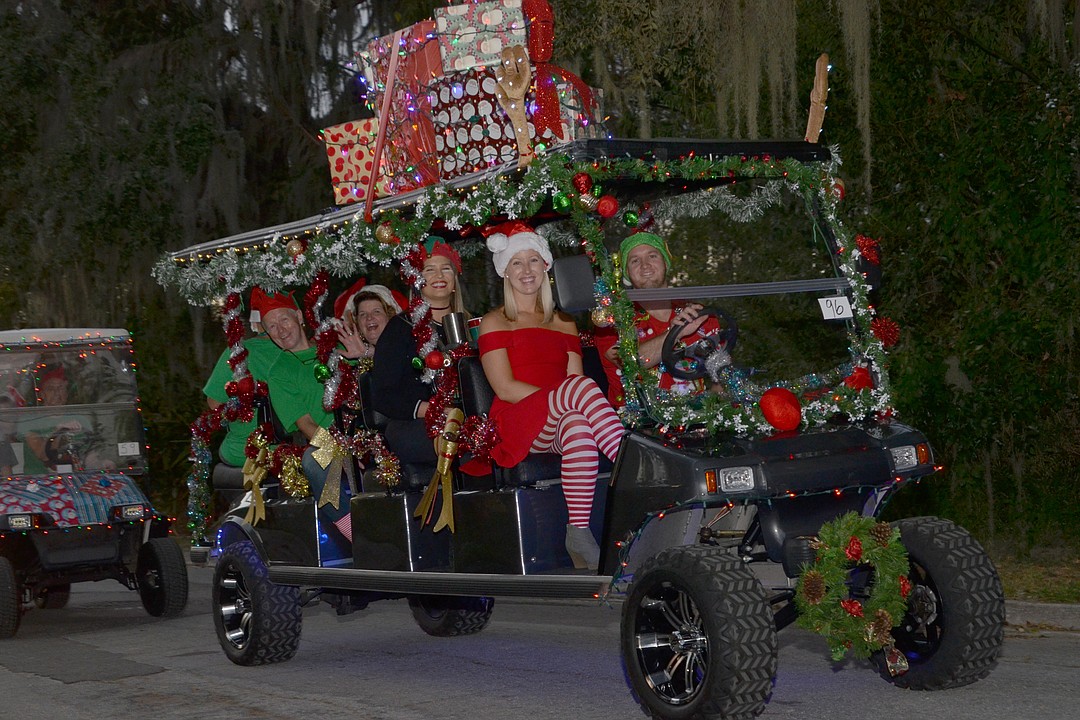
(434, 360)
(781, 408)
(582, 182)
(860, 379)
(886, 330)
(607, 206)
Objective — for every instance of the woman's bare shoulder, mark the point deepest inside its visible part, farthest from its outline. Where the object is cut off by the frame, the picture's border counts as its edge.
(494, 320)
(564, 323)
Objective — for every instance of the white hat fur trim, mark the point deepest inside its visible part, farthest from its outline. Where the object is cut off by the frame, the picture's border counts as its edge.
(503, 247)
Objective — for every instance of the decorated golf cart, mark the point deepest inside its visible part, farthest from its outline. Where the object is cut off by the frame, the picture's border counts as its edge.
(73, 506)
(729, 513)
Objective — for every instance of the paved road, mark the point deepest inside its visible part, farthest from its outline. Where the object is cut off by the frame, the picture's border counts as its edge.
(102, 656)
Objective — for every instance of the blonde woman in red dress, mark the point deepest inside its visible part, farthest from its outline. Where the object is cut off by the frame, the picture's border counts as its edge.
(532, 358)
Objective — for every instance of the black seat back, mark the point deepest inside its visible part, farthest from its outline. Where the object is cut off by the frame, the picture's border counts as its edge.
(372, 420)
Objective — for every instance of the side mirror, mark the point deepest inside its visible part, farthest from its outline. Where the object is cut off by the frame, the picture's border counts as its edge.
(574, 282)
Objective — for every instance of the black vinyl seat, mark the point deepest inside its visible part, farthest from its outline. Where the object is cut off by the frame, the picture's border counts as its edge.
(414, 476)
(476, 399)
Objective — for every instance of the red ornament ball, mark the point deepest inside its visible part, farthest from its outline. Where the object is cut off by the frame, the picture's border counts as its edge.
(582, 182)
(781, 409)
(838, 189)
(607, 206)
(434, 360)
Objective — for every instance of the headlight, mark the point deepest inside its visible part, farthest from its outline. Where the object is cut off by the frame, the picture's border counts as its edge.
(129, 512)
(908, 456)
(730, 480)
(20, 522)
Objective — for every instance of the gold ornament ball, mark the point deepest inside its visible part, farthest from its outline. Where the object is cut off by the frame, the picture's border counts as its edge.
(589, 202)
(602, 317)
(295, 247)
(385, 234)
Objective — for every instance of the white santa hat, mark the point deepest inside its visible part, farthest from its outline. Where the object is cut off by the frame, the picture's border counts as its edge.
(509, 238)
(344, 302)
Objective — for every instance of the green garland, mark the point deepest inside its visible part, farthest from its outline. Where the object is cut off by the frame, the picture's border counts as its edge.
(823, 597)
(349, 246)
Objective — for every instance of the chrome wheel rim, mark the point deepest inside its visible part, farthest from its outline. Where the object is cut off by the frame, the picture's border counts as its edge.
(234, 606)
(671, 644)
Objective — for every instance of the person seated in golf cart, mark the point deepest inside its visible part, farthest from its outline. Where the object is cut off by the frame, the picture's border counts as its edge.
(296, 395)
(397, 386)
(532, 358)
(646, 264)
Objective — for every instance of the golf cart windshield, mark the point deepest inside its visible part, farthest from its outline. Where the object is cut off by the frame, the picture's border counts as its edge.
(68, 403)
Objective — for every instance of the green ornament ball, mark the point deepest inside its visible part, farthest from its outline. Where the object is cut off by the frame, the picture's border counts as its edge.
(417, 363)
(322, 373)
(631, 218)
(561, 202)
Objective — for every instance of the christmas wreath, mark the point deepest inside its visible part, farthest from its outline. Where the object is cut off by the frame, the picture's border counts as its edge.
(856, 616)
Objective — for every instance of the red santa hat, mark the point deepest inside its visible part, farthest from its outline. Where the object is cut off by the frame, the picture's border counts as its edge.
(344, 302)
(509, 238)
(56, 373)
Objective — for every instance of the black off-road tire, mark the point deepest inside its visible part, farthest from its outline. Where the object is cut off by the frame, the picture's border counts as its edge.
(702, 612)
(10, 600)
(53, 598)
(451, 616)
(955, 623)
(257, 621)
(162, 577)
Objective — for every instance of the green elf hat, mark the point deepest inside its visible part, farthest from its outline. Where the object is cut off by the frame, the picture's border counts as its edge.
(642, 238)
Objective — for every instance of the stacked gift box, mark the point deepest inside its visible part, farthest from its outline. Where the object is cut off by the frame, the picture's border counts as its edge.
(443, 115)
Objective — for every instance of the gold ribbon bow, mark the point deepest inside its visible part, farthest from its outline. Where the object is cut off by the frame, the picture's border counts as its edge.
(514, 74)
(254, 472)
(331, 456)
(446, 445)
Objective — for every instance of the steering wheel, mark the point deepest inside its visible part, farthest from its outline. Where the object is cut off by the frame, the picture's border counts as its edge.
(688, 362)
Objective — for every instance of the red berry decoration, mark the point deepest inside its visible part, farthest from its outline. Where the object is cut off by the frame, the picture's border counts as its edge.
(885, 330)
(607, 206)
(853, 551)
(905, 587)
(781, 409)
(860, 379)
(582, 182)
(853, 607)
(434, 360)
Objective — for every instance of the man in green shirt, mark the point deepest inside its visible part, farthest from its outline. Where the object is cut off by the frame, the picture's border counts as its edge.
(261, 355)
(297, 395)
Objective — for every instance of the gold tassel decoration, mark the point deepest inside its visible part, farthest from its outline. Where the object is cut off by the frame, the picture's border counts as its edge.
(446, 446)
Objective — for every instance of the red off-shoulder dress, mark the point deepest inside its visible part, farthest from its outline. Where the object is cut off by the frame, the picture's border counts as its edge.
(538, 356)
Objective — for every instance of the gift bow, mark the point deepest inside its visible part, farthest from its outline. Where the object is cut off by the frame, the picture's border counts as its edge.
(541, 22)
(331, 456)
(446, 446)
(254, 472)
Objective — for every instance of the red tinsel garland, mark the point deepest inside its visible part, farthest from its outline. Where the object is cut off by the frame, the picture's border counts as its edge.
(869, 248)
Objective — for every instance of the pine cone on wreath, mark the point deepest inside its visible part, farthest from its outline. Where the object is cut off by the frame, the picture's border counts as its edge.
(882, 533)
(813, 587)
